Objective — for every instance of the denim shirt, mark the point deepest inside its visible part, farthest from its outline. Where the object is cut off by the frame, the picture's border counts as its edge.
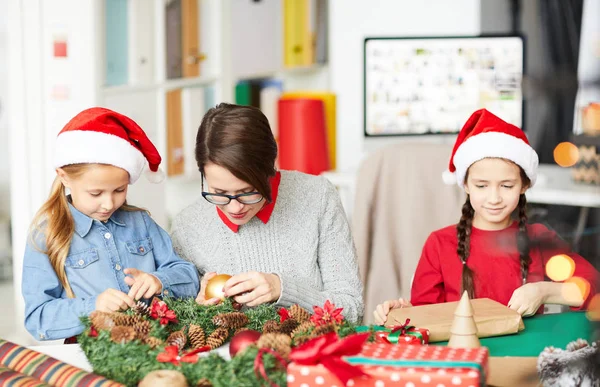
(98, 254)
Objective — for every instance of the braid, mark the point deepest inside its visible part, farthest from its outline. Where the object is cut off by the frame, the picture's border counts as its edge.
(523, 238)
(463, 230)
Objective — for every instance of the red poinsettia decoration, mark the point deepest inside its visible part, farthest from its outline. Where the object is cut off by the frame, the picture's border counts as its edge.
(93, 331)
(161, 311)
(171, 355)
(327, 314)
(283, 314)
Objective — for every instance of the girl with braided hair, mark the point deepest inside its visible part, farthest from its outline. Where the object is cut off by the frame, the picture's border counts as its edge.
(488, 253)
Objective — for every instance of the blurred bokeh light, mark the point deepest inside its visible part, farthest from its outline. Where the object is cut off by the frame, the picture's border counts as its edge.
(560, 268)
(566, 154)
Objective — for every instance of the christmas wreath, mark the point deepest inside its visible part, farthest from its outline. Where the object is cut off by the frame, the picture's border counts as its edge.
(163, 340)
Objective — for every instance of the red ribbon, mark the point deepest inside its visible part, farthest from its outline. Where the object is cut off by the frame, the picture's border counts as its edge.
(171, 355)
(259, 365)
(328, 351)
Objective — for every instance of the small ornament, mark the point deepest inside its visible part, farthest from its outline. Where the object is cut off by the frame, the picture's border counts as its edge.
(214, 287)
(328, 313)
(160, 311)
(93, 332)
(243, 339)
(122, 335)
(463, 332)
(283, 314)
(231, 320)
(164, 378)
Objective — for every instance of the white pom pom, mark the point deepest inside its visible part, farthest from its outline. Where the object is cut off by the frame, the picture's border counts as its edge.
(449, 177)
(154, 177)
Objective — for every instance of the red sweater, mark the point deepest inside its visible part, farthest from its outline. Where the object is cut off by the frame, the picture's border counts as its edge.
(494, 258)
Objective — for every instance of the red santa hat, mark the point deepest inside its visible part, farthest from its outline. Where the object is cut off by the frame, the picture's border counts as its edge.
(486, 135)
(99, 135)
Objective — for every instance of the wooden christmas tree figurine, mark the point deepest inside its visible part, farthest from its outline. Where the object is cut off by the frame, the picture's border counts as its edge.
(463, 333)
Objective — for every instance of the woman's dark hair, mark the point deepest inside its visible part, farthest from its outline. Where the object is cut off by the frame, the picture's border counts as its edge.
(463, 231)
(239, 139)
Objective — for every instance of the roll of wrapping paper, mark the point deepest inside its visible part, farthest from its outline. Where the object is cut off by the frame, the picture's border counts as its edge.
(47, 369)
(328, 99)
(302, 136)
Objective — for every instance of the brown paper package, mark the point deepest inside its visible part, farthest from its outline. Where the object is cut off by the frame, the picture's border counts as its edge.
(491, 317)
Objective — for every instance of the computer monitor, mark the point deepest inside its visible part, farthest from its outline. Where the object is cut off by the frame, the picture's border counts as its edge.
(431, 85)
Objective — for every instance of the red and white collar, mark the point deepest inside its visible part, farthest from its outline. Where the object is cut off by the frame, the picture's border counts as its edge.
(265, 213)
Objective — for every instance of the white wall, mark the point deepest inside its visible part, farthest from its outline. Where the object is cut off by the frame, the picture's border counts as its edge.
(4, 168)
(353, 20)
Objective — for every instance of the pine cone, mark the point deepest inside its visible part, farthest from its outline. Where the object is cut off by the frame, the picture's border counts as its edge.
(122, 335)
(322, 330)
(217, 338)
(303, 328)
(298, 313)
(270, 326)
(178, 339)
(141, 309)
(102, 320)
(153, 342)
(204, 383)
(232, 320)
(196, 336)
(122, 319)
(279, 342)
(288, 326)
(142, 329)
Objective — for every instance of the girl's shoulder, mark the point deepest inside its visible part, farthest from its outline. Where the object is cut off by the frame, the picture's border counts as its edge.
(444, 235)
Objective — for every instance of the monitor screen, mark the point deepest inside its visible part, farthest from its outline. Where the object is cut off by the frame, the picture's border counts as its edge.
(432, 85)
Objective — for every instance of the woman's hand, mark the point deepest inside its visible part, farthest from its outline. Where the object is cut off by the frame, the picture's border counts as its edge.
(527, 299)
(113, 300)
(253, 288)
(201, 299)
(143, 285)
(382, 310)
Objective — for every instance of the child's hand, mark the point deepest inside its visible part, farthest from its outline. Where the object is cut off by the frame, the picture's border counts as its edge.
(200, 299)
(382, 310)
(143, 285)
(528, 298)
(113, 300)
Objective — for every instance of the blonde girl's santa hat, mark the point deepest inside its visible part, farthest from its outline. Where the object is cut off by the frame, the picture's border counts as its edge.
(102, 136)
(486, 135)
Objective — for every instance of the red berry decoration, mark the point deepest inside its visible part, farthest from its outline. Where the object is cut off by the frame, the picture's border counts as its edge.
(243, 339)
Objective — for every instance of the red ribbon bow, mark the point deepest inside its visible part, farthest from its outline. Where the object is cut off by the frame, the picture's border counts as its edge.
(403, 328)
(259, 365)
(328, 351)
(171, 355)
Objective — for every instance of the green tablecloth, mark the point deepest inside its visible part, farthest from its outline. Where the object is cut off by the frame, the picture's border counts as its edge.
(540, 331)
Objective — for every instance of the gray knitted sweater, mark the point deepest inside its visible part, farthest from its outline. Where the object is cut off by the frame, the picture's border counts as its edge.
(306, 242)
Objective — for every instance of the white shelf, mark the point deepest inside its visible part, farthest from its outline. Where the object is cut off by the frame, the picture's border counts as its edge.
(167, 85)
(285, 72)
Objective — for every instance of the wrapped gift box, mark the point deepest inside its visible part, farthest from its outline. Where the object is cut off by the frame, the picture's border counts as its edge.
(587, 168)
(403, 365)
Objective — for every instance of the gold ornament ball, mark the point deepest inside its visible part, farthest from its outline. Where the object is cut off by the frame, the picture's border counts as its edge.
(164, 378)
(214, 287)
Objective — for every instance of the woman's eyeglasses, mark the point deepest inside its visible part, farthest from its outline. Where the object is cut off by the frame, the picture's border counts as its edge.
(223, 200)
